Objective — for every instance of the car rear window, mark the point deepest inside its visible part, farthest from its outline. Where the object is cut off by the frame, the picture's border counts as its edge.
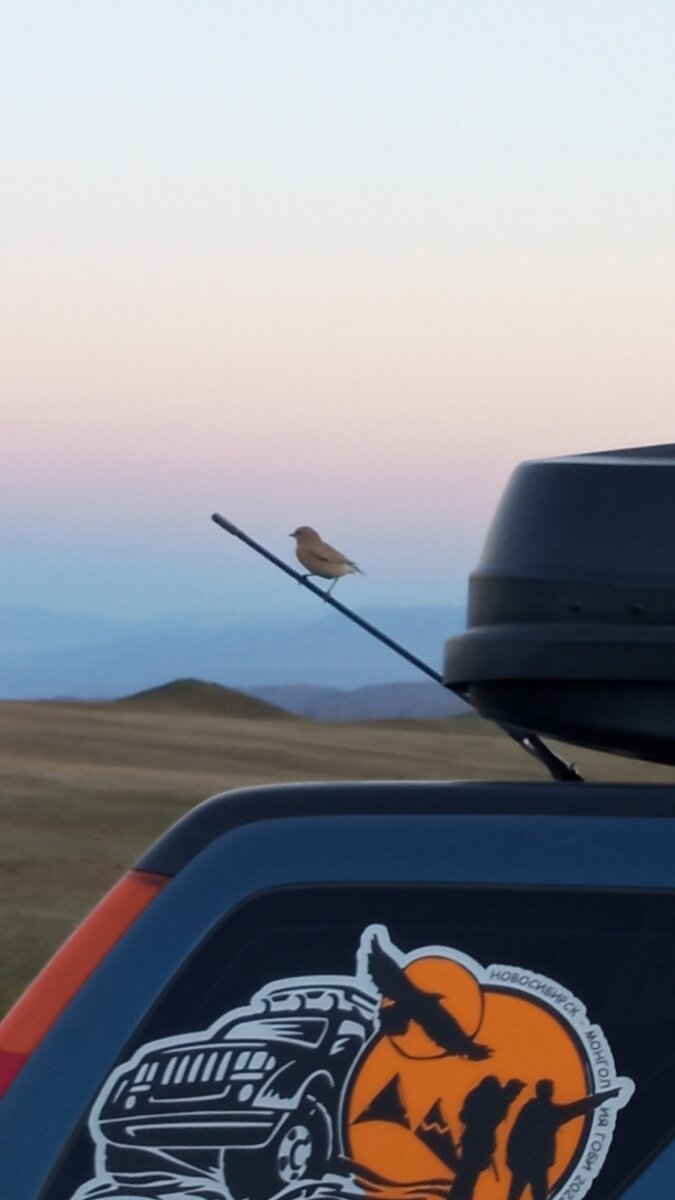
(425, 1008)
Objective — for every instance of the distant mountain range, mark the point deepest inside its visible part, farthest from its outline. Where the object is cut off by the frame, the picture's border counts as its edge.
(388, 701)
(381, 701)
(47, 655)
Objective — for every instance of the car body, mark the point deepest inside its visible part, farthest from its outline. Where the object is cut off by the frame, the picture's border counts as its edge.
(568, 887)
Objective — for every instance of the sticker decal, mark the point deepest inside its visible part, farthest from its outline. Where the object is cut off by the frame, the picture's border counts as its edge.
(424, 1076)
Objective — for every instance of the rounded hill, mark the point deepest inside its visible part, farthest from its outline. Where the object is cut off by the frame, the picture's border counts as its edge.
(197, 696)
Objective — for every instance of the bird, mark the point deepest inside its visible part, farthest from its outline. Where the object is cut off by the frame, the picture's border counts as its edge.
(319, 558)
(410, 1003)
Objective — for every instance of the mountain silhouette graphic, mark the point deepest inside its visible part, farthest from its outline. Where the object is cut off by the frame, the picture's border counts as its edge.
(433, 1130)
(387, 1105)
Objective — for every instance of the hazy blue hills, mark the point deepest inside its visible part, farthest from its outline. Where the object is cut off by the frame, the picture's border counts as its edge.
(34, 629)
(45, 655)
(380, 701)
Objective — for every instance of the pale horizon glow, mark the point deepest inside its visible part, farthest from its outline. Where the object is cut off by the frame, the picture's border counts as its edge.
(336, 264)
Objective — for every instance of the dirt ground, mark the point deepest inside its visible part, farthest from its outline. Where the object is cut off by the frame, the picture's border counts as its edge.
(85, 788)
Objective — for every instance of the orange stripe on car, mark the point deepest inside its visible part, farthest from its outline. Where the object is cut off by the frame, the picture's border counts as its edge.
(37, 1009)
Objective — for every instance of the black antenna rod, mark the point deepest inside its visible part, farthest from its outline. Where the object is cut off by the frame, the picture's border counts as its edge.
(558, 767)
(346, 612)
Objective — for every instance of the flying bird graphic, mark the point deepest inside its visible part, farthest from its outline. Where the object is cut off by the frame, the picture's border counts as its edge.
(410, 1003)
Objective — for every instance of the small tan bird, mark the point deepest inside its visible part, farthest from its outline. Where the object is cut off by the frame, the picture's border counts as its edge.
(319, 558)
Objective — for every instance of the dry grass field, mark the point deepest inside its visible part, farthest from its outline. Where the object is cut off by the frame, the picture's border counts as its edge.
(85, 788)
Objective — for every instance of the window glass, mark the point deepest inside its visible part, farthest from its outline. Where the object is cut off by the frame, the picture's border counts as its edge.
(475, 1041)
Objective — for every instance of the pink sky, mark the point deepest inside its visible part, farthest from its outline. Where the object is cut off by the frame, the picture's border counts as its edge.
(344, 265)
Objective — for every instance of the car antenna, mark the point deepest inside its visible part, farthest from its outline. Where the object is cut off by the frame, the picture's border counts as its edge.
(557, 766)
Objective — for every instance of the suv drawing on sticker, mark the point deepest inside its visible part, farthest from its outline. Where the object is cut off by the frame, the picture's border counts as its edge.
(251, 1104)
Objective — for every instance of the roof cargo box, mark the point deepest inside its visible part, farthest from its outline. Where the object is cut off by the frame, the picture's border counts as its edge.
(572, 608)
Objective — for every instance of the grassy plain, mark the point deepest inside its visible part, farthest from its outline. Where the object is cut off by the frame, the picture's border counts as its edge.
(85, 788)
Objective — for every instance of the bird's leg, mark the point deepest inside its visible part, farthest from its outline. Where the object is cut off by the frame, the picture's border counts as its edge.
(332, 585)
(307, 576)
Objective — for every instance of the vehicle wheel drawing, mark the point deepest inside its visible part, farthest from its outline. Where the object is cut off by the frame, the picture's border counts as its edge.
(299, 1150)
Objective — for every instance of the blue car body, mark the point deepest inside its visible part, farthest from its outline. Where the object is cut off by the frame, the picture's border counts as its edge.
(415, 846)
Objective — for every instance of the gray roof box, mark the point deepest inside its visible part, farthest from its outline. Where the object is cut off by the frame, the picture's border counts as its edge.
(572, 608)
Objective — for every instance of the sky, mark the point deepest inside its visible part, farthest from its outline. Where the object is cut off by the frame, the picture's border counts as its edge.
(332, 262)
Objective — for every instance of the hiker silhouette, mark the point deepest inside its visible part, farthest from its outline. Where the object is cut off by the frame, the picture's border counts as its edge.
(531, 1148)
(484, 1108)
